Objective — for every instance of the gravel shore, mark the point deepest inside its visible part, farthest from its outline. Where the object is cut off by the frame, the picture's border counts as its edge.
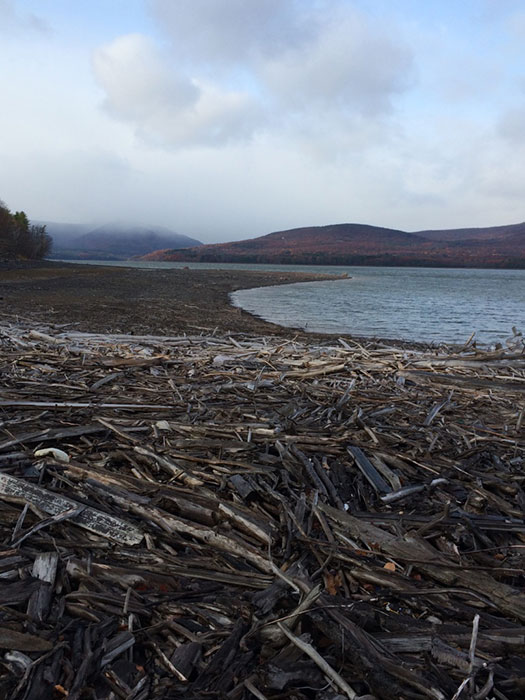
(119, 299)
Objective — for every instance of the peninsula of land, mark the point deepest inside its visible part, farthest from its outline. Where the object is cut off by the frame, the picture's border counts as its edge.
(119, 299)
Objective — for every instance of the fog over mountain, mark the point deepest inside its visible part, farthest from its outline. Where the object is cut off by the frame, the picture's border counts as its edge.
(112, 241)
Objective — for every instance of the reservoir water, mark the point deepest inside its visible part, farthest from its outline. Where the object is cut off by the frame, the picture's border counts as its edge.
(421, 304)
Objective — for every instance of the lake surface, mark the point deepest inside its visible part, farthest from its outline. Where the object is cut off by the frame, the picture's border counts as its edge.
(432, 305)
(421, 304)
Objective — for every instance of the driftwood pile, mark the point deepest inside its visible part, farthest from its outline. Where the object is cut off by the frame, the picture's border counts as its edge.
(234, 517)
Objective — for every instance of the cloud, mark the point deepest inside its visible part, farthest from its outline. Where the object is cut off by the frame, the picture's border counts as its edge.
(231, 69)
(350, 66)
(78, 185)
(222, 32)
(512, 126)
(137, 82)
(166, 107)
(229, 118)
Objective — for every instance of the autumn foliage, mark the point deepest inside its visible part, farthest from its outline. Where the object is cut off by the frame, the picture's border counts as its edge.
(356, 244)
(21, 239)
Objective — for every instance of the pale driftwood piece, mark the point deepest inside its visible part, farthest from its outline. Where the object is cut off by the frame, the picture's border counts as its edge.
(469, 383)
(45, 569)
(90, 519)
(246, 523)
(118, 431)
(401, 494)
(308, 374)
(52, 340)
(112, 338)
(390, 476)
(204, 534)
(131, 488)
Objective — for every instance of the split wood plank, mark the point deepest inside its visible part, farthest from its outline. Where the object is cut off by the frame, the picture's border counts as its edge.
(121, 531)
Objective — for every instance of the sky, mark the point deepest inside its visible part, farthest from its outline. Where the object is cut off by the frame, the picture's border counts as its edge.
(228, 119)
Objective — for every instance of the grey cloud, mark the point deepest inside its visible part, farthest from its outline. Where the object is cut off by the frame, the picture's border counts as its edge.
(300, 51)
(13, 21)
(512, 126)
(231, 30)
(349, 66)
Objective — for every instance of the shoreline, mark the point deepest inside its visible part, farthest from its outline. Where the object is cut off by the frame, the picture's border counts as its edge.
(137, 300)
(115, 299)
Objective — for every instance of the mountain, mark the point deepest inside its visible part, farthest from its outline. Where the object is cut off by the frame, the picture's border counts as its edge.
(360, 244)
(62, 234)
(112, 241)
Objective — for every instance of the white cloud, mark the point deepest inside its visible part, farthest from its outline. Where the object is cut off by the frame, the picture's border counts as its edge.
(232, 68)
(166, 107)
(137, 82)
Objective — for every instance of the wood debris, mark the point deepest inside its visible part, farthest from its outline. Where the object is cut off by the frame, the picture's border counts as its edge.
(237, 517)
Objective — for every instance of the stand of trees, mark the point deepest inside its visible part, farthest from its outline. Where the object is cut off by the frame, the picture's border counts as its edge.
(21, 239)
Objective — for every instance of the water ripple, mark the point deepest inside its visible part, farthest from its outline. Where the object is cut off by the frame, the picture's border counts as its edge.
(434, 305)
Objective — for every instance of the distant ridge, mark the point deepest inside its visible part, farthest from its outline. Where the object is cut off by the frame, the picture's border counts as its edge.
(363, 244)
(480, 234)
(112, 241)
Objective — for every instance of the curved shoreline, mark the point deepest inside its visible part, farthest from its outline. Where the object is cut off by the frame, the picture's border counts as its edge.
(108, 299)
(137, 300)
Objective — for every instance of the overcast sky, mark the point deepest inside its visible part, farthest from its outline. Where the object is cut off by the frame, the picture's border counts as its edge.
(227, 119)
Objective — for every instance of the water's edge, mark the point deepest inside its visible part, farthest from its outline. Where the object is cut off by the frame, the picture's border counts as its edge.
(422, 305)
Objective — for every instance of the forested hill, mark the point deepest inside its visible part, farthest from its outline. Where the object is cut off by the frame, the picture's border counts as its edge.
(500, 233)
(360, 244)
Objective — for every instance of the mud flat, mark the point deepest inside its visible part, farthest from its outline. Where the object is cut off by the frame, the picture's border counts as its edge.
(211, 515)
